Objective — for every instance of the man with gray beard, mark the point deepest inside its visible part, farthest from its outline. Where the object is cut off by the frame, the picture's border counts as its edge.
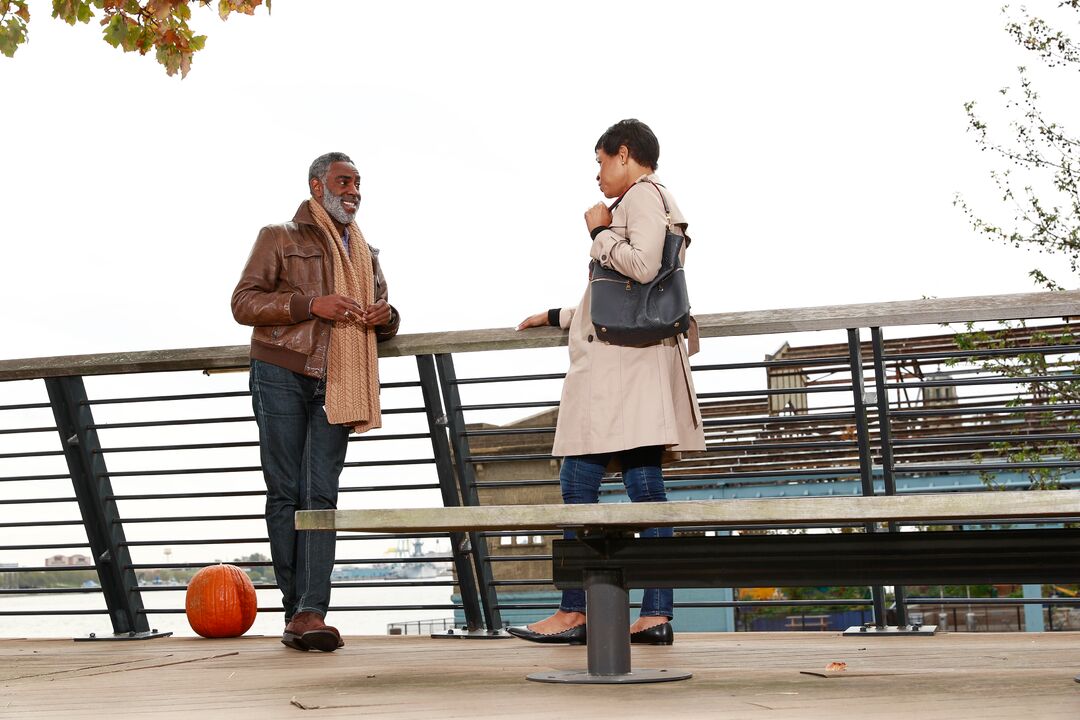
(314, 292)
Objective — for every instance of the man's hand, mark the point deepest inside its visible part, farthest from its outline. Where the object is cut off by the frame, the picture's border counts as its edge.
(337, 308)
(377, 314)
(537, 320)
(597, 216)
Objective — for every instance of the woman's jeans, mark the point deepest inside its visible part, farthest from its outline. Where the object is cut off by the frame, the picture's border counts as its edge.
(580, 479)
(302, 456)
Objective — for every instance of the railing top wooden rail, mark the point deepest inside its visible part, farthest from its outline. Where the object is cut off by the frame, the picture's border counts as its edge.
(752, 322)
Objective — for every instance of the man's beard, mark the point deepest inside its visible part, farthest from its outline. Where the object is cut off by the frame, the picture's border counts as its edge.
(333, 205)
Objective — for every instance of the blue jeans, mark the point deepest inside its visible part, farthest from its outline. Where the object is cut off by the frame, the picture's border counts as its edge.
(302, 456)
(580, 480)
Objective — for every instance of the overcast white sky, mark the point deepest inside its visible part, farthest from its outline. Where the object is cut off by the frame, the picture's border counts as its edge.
(814, 147)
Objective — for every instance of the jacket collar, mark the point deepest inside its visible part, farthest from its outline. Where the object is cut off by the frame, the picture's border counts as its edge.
(303, 215)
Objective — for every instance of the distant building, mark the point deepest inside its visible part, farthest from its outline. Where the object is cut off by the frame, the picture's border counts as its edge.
(68, 561)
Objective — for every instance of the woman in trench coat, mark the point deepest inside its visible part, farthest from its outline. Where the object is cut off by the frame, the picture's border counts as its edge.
(627, 407)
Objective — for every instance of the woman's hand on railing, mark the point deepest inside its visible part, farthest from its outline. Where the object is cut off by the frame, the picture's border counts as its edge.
(537, 320)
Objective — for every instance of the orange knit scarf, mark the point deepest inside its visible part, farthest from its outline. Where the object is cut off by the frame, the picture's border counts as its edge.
(352, 373)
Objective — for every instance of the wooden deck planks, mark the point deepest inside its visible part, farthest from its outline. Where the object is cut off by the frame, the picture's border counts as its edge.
(737, 675)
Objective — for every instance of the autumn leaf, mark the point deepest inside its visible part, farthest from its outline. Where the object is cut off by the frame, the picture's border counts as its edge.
(131, 25)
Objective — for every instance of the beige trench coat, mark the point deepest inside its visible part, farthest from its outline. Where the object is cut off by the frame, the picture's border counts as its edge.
(619, 398)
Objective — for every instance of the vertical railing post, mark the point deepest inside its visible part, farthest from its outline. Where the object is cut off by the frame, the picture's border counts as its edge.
(466, 475)
(100, 515)
(885, 438)
(866, 474)
(460, 543)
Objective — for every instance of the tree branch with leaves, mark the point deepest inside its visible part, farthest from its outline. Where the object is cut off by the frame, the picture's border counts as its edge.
(130, 25)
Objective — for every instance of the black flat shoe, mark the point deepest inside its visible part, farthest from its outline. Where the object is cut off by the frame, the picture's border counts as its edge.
(656, 635)
(571, 636)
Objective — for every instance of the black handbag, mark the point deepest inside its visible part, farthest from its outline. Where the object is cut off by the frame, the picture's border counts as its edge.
(626, 312)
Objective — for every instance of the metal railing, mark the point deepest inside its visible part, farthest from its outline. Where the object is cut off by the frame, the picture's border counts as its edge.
(129, 458)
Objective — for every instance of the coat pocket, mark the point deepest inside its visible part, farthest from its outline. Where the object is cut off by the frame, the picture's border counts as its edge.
(303, 267)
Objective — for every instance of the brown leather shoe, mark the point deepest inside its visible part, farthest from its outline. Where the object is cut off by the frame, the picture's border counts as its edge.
(307, 631)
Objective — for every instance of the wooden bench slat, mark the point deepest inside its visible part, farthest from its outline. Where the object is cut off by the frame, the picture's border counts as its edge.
(766, 511)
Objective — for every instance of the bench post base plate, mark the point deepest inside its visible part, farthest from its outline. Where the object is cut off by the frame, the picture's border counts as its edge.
(584, 677)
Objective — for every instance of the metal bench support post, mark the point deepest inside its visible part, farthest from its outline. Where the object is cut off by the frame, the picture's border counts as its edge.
(607, 599)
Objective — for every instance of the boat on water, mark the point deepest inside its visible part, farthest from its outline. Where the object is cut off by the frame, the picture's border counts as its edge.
(411, 566)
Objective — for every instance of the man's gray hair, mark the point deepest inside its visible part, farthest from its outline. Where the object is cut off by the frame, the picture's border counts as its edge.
(321, 165)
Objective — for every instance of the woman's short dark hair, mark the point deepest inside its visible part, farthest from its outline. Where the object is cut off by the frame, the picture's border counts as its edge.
(636, 136)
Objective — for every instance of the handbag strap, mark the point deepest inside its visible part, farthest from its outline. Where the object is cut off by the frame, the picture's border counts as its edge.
(663, 200)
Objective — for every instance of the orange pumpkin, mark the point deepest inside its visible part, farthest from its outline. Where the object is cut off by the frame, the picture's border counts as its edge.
(220, 602)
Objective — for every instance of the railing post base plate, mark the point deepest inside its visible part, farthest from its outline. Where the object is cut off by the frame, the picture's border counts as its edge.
(147, 635)
(467, 634)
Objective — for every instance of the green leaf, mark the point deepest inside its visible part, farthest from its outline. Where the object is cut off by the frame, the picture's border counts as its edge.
(12, 35)
(116, 32)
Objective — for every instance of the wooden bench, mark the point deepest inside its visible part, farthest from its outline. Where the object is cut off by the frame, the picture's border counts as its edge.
(606, 559)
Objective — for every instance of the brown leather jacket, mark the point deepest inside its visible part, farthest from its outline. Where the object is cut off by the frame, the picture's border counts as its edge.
(289, 265)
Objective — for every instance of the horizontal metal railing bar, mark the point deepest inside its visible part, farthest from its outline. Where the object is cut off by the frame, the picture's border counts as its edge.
(267, 563)
(19, 613)
(48, 568)
(507, 458)
(342, 536)
(245, 443)
(333, 608)
(989, 352)
(519, 583)
(41, 523)
(25, 406)
(49, 591)
(838, 360)
(182, 446)
(1019, 380)
(742, 447)
(778, 419)
(47, 546)
(24, 478)
(211, 395)
(37, 501)
(335, 584)
(511, 406)
(261, 493)
(217, 420)
(981, 439)
(774, 391)
(853, 602)
(508, 378)
(693, 477)
(975, 467)
(170, 423)
(254, 468)
(27, 431)
(39, 453)
(991, 601)
(987, 410)
(165, 398)
(508, 431)
(186, 518)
